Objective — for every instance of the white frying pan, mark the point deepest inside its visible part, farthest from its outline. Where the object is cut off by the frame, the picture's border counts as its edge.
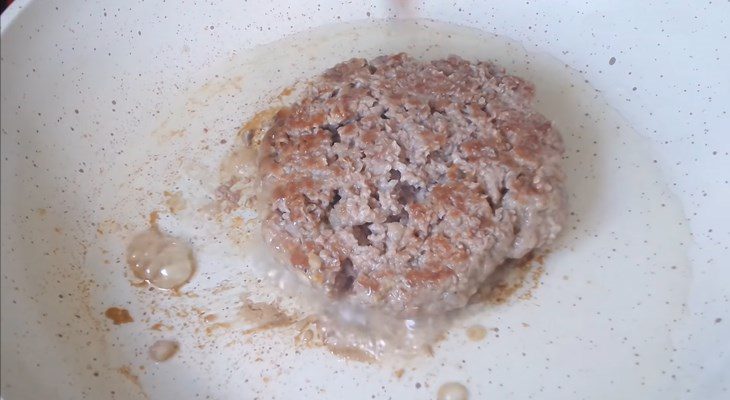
(108, 105)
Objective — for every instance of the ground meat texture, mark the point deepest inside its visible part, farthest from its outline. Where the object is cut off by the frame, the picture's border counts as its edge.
(403, 184)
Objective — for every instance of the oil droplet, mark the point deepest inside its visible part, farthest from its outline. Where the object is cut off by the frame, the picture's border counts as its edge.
(118, 315)
(452, 391)
(163, 350)
(159, 259)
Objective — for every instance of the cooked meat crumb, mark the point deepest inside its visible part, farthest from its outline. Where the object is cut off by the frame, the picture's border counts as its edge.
(402, 184)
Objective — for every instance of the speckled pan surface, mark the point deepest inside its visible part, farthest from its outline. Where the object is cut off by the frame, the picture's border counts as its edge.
(104, 107)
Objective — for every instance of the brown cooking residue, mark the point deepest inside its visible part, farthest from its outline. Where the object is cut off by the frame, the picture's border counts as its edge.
(236, 174)
(237, 171)
(253, 131)
(534, 278)
(476, 333)
(210, 318)
(265, 316)
(285, 92)
(174, 201)
(134, 379)
(510, 278)
(160, 327)
(154, 217)
(257, 316)
(118, 315)
(310, 334)
(352, 354)
(216, 326)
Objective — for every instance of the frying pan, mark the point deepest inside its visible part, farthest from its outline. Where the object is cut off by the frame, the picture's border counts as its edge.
(110, 109)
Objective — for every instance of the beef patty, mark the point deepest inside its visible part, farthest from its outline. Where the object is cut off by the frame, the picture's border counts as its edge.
(403, 184)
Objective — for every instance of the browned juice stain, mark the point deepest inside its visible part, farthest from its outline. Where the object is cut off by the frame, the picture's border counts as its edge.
(307, 333)
(154, 217)
(253, 130)
(476, 333)
(216, 326)
(509, 279)
(174, 201)
(118, 315)
(285, 92)
(160, 327)
(210, 318)
(126, 372)
(270, 325)
(534, 279)
(352, 354)
(265, 315)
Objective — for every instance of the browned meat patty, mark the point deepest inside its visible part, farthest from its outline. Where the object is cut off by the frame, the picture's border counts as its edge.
(404, 184)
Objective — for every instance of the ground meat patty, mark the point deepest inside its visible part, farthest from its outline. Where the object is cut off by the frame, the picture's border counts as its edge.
(403, 184)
